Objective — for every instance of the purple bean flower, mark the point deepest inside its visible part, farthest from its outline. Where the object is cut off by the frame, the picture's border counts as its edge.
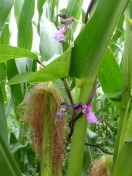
(59, 36)
(84, 108)
(71, 19)
(62, 15)
(64, 27)
(59, 114)
(90, 116)
(77, 106)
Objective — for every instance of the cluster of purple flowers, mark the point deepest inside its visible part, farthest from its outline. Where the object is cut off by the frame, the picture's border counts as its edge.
(63, 28)
(84, 108)
(60, 36)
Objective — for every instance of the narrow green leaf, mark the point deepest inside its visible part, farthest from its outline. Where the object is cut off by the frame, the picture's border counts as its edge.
(25, 30)
(48, 45)
(3, 124)
(4, 39)
(109, 74)
(8, 165)
(40, 4)
(126, 135)
(9, 106)
(57, 69)
(93, 40)
(125, 154)
(5, 8)
(17, 9)
(10, 52)
(119, 29)
(52, 6)
(16, 90)
(73, 7)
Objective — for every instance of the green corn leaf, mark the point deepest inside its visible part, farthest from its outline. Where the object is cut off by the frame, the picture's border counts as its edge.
(73, 7)
(25, 30)
(8, 165)
(52, 5)
(55, 70)
(16, 90)
(9, 106)
(25, 33)
(10, 52)
(17, 9)
(127, 127)
(119, 30)
(4, 39)
(93, 40)
(3, 124)
(5, 8)
(109, 73)
(110, 78)
(40, 4)
(125, 155)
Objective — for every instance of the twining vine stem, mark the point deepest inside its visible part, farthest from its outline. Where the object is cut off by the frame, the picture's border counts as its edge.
(67, 90)
(88, 10)
(40, 63)
(97, 146)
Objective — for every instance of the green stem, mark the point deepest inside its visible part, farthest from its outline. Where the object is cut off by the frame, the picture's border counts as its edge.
(126, 81)
(79, 22)
(79, 135)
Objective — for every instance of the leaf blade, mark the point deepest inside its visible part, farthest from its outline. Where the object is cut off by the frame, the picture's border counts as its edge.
(10, 52)
(5, 8)
(57, 69)
(25, 30)
(92, 42)
(48, 45)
